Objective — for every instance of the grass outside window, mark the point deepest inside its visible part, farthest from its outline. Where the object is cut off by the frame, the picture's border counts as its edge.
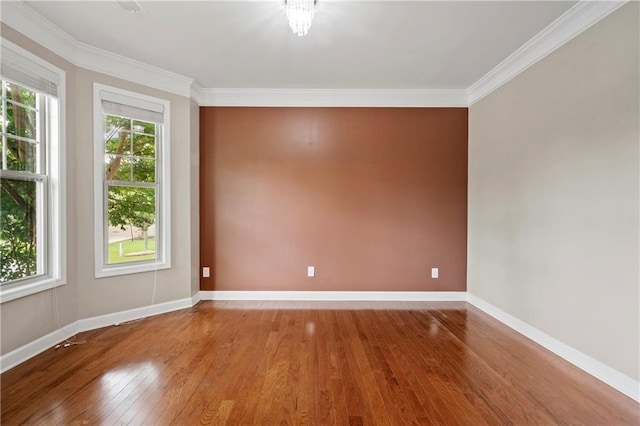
(132, 251)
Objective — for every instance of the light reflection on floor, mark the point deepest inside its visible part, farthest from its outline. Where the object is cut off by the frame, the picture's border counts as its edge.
(125, 385)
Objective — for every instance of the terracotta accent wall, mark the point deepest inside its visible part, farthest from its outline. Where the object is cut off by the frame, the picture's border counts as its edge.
(372, 197)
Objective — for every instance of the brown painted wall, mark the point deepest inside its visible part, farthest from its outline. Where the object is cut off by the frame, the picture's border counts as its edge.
(372, 197)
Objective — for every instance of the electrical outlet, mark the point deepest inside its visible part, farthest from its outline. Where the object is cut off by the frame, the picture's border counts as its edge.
(435, 272)
(311, 271)
(206, 272)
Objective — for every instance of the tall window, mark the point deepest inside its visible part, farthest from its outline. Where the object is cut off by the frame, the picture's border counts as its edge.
(31, 185)
(23, 182)
(132, 188)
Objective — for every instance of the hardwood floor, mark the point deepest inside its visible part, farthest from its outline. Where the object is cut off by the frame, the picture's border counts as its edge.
(244, 363)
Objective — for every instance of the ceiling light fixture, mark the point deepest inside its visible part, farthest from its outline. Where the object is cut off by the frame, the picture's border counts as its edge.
(300, 14)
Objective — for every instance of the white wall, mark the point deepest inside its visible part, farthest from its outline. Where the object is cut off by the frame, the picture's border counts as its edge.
(553, 223)
(195, 197)
(28, 318)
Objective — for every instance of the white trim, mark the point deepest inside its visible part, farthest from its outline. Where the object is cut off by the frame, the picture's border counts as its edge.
(330, 97)
(345, 296)
(26, 20)
(16, 290)
(599, 370)
(197, 92)
(56, 216)
(103, 61)
(126, 269)
(132, 314)
(163, 241)
(58, 201)
(31, 349)
(573, 22)
(32, 24)
(195, 298)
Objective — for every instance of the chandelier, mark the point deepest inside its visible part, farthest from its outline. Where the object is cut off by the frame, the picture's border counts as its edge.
(300, 15)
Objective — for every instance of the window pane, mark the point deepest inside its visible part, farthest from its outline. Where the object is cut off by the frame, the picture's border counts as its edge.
(21, 155)
(144, 146)
(118, 135)
(115, 123)
(18, 257)
(20, 94)
(117, 168)
(144, 127)
(132, 217)
(21, 121)
(144, 170)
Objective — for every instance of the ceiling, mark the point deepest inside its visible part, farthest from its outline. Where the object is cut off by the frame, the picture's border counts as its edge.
(352, 44)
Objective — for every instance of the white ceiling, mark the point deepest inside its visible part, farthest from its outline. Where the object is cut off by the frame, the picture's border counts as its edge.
(352, 44)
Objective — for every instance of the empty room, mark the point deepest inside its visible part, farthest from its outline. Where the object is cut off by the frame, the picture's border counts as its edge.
(320, 212)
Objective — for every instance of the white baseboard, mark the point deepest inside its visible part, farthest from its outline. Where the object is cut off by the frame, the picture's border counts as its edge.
(131, 314)
(344, 296)
(599, 370)
(196, 298)
(31, 349)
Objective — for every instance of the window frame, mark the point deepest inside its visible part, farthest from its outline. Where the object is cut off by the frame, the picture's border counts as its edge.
(51, 212)
(163, 178)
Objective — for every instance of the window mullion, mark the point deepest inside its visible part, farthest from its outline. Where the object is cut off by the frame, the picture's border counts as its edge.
(19, 138)
(42, 226)
(19, 104)
(132, 184)
(19, 175)
(40, 132)
(105, 222)
(4, 128)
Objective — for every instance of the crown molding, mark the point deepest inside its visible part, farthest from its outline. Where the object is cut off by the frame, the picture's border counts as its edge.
(333, 97)
(99, 60)
(573, 22)
(197, 92)
(30, 23)
(27, 21)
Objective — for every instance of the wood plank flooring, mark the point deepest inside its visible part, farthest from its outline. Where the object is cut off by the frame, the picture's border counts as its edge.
(243, 363)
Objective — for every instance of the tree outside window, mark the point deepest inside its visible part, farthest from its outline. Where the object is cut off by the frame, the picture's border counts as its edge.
(131, 185)
(22, 183)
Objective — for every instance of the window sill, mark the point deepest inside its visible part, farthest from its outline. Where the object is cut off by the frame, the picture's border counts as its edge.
(114, 271)
(25, 288)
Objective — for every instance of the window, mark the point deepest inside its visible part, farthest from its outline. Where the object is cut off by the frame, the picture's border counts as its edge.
(32, 217)
(131, 182)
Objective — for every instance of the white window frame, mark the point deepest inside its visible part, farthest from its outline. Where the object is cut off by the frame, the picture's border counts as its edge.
(53, 229)
(163, 213)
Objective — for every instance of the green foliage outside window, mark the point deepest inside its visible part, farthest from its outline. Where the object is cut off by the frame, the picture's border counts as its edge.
(18, 218)
(130, 157)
